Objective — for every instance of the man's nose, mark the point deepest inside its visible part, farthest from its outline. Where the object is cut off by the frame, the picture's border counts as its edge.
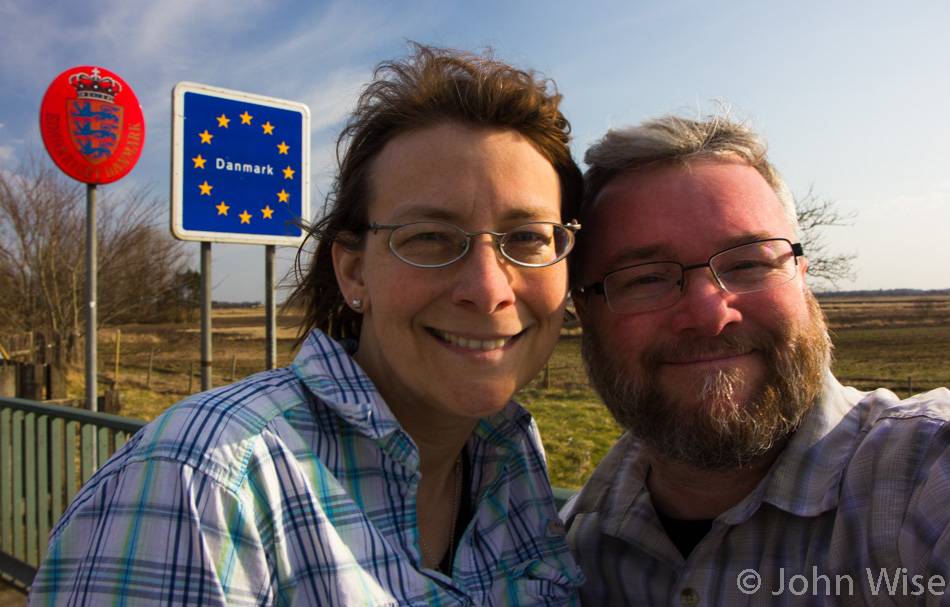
(704, 306)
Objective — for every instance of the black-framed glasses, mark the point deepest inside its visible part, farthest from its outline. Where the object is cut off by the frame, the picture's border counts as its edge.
(433, 244)
(747, 268)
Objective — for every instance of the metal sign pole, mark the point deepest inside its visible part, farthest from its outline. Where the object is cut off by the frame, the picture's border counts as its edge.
(271, 320)
(240, 174)
(205, 316)
(93, 128)
(91, 269)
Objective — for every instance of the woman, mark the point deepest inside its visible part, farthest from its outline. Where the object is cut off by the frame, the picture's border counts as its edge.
(388, 465)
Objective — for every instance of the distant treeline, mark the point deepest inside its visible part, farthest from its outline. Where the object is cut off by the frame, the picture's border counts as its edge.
(883, 293)
(819, 295)
(235, 304)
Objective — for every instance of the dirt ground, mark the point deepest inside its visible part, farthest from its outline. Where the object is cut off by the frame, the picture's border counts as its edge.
(11, 597)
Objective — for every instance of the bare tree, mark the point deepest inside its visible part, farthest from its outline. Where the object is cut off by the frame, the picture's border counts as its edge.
(814, 214)
(41, 253)
(43, 248)
(138, 259)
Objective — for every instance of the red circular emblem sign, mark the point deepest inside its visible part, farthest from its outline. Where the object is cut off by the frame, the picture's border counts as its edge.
(92, 125)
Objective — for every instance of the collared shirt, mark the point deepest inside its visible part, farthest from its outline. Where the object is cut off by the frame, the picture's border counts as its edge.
(855, 511)
(298, 487)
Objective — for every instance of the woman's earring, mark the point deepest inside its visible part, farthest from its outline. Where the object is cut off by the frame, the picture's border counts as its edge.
(357, 304)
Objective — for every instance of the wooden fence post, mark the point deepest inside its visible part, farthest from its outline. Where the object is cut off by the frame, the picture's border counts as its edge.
(8, 377)
(118, 339)
(58, 357)
(39, 354)
(112, 402)
(73, 348)
(55, 382)
(31, 381)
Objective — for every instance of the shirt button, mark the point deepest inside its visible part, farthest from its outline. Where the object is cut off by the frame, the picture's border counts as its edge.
(689, 598)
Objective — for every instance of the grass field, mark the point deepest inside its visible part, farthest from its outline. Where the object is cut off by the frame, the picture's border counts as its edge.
(879, 342)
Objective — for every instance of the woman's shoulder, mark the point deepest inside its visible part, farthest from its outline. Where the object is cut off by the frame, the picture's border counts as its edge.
(214, 430)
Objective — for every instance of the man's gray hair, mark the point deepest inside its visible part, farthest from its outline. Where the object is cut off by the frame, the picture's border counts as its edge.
(676, 140)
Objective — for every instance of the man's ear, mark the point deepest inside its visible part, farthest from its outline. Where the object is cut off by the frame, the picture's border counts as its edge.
(348, 265)
(580, 304)
(803, 268)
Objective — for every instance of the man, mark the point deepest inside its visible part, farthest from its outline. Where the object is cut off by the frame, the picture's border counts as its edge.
(748, 474)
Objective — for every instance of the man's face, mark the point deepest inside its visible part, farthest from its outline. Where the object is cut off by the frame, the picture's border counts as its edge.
(715, 379)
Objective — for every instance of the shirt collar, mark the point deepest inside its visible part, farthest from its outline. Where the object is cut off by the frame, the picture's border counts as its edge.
(615, 486)
(805, 478)
(332, 375)
(326, 367)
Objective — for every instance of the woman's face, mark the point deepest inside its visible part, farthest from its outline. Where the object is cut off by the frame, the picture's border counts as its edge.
(458, 340)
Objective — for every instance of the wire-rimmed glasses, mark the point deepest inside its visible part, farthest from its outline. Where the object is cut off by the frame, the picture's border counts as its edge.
(747, 268)
(433, 244)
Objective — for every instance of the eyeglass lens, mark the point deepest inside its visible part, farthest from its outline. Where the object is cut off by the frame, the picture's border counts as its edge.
(433, 244)
(745, 269)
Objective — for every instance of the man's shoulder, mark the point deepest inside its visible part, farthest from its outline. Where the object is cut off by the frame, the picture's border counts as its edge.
(901, 441)
(898, 474)
(877, 426)
(884, 414)
(884, 405)
(844, 412)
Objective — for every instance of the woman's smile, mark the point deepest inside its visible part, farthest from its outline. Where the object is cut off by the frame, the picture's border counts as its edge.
(473, 343)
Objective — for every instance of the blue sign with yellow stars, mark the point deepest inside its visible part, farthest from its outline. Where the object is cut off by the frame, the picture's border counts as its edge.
(240, 167)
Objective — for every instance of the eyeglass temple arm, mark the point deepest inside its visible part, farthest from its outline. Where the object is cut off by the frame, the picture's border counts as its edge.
(597, 287)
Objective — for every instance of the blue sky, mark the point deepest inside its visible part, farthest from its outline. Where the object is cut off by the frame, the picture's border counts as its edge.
(852, 95)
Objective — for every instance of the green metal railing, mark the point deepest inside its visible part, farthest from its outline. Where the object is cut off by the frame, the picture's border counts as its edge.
(47, 452)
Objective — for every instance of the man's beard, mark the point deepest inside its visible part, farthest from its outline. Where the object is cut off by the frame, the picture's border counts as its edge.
(717, 433)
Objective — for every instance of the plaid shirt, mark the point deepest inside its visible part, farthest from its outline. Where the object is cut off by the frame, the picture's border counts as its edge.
(855, 511)
(298, 487)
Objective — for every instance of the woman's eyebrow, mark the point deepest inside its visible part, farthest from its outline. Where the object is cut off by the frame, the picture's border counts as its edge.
(424, 212)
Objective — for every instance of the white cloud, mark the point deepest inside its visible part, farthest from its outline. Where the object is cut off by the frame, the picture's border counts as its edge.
(933, 201)
(331, 99)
